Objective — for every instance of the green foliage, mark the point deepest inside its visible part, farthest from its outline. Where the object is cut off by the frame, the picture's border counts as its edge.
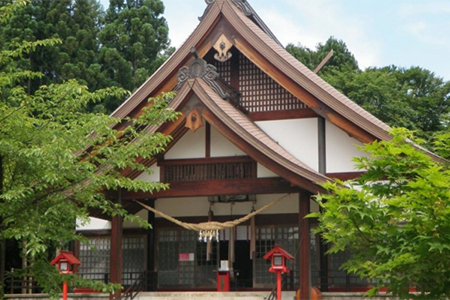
(342, 59)
(135, 41)
(55, 159)
(395, 219)
(121, 48)
(413, 98)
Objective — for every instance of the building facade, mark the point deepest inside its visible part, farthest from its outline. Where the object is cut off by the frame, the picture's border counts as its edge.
(256, 125)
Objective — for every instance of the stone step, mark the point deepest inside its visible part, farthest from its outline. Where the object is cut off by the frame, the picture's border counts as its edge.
(210, 295)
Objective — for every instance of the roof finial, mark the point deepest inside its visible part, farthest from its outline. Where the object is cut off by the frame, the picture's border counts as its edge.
(209, 3)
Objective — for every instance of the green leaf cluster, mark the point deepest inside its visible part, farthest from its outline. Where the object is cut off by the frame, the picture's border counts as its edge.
(394, 219)
(56, 159)
(414, 98)
(119, 48)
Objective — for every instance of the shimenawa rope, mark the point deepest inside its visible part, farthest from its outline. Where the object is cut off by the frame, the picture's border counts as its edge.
(212, 225)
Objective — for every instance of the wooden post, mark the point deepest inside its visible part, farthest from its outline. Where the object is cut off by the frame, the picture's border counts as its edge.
(305, 276)
(151, 234)
(115, 262)
(322, 145)
(65, 290)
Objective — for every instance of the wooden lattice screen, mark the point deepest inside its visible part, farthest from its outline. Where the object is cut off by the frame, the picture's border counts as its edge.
(260, 93)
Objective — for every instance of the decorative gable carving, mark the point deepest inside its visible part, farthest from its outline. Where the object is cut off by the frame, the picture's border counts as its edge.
(199, 68)
(223, 46)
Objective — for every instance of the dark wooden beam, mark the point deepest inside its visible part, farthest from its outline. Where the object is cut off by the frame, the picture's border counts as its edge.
(303, 113)
(322, 145)
(206, 161)
(345, 175)
(207, 140)
(304, 257)
(218, 187)
(115, 262)
(151, 234)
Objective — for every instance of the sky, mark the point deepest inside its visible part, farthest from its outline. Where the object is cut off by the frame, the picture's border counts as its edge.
(378, 32)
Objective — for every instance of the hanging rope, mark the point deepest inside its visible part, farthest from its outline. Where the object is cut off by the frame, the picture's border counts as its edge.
(211, 225)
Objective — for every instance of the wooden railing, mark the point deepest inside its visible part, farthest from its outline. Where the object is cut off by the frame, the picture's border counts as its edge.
(223, 168)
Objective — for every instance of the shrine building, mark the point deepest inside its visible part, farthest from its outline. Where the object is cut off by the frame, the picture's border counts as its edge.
(256, 126)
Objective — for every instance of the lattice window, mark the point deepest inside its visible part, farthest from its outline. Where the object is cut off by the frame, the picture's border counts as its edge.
(266, 238)
(260, 93)
(208, 172)
(95, 258)
(224, 70)
(207, 169)
(133, 258)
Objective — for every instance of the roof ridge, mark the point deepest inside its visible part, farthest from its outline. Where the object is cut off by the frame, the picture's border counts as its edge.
(245, 7)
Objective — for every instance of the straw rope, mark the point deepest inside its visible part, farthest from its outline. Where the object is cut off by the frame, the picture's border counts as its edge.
(211, 225)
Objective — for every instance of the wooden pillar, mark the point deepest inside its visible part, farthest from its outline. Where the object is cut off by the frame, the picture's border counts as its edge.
(151, 241)
(304, 259)
(322, 145)
(323, 259)
(115, 262)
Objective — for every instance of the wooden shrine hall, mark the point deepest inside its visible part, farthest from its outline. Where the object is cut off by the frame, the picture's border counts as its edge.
(256, 125)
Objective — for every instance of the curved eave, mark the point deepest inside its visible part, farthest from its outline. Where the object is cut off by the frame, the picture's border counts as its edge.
(309, 80)
(304, 77)
(246, 135)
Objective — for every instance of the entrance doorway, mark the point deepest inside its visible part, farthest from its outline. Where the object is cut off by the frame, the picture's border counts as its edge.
(242, 266)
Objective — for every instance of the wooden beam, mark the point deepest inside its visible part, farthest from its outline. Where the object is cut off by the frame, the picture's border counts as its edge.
(205, 161)
(322, 138)
(207, 140)
(304, 257)
(115, 262)
(324, 61)
(303, 113)
(151, 239)
(345, 175)
(206, 188)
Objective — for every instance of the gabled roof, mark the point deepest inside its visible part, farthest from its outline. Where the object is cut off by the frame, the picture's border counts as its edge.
(245, 134)
(255, 43)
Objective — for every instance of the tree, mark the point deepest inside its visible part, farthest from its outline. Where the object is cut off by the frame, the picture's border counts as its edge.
(394, 219)
(75, 22)
(414, 98)
(134, 38)
(55, 159)
(342, 59)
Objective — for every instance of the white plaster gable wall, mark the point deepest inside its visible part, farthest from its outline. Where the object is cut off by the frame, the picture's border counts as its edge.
(94, 224)
(191, 145)
(221, 146)
(298, 136)
(194, 207)
(263, 172)
(183, 207)
(340, 150)
(153, 176)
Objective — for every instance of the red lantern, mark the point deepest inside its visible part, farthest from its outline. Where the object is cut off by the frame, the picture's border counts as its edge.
(278, 257)
(65, 262)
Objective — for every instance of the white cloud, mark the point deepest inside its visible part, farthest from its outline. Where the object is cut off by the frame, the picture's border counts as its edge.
(425, 7)
(313, 22)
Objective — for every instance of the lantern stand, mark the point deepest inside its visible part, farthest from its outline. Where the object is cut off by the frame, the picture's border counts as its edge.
(278, 257)
(65, 263)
